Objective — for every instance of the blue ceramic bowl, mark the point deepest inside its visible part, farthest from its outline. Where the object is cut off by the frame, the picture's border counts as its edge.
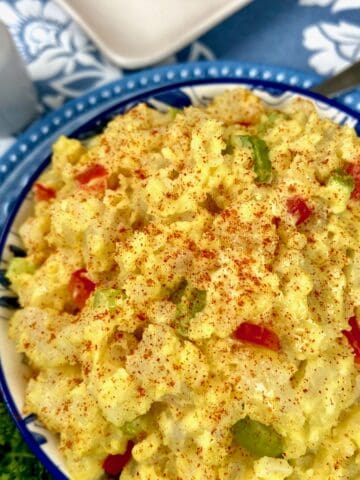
(178, 86)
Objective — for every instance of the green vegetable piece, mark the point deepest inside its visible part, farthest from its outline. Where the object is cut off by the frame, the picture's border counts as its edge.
(197, 301)
(258, 439)
(273, 116)
(178, 292)
(235, 141)
(133, 428)
(270, 120)
(241, 140)
(18, 266)
(106, 298)
(228, 150)
(182, 320)
(262, 163)
(173, 111)
(341, 178)
(189, 303)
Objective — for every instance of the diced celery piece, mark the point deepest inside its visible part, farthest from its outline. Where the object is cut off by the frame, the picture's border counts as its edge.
(241, 141)
(273, 116)
(182, 319)
(173, 111)
(177, 293)
(133, 428)
(338, 190)
(107, 298)
(197, 301)
(258, 439)
(19, 266)
(342, 179)
(262, 164)
(269, 121)
(192, 302)
(229, 149)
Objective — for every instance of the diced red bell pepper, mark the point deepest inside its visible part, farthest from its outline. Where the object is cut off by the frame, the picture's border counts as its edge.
(43, 193)
(298, 207)
(114, 464)
(353, 337)
(276, 221)
(257, 334)
(354, 170)
(244, 124)
(80, 287)
(94, 171)
(93, 178)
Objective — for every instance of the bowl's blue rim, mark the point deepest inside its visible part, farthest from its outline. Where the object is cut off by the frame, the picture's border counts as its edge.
(34, 138)
(136, 97)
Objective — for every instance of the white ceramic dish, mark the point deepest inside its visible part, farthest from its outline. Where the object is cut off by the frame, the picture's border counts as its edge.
(137, 33)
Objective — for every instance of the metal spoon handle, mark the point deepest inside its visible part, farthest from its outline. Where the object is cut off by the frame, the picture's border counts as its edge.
(340, 83)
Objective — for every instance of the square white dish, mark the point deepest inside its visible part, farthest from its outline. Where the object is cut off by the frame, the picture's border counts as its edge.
(137, 33)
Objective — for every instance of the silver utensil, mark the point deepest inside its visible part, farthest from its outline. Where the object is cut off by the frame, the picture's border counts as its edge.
(346, 80)
(17, 95)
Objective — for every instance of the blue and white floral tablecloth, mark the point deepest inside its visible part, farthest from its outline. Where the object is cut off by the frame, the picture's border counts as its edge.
(321, 36)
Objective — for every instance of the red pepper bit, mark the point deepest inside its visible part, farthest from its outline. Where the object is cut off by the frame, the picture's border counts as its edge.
(244, 124)
(80, 287)
(354, 170)
(299, 208)
(93, 179)
(114, 464)
(276, 221)
(43, 193)
(353, 337)
(94, 171)
(257, 334)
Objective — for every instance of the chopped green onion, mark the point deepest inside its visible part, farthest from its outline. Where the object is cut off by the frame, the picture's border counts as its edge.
(262, 163)
(257, 438)
(107, 298)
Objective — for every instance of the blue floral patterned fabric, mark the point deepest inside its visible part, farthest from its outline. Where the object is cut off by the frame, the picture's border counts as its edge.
(322, 36)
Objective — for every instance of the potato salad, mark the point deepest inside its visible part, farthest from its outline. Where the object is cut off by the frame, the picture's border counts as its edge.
(190, 295)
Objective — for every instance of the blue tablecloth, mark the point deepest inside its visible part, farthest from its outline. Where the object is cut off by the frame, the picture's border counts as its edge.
(322, 36)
